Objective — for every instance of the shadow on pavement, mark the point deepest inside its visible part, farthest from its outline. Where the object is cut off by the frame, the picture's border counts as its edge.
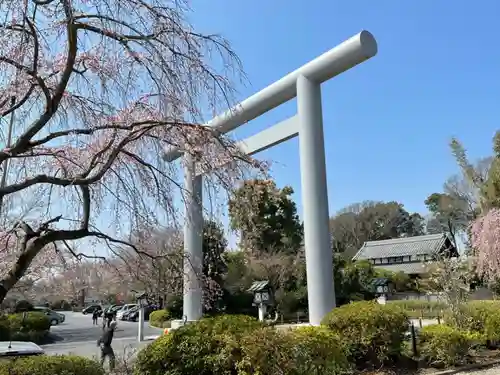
(51, 338)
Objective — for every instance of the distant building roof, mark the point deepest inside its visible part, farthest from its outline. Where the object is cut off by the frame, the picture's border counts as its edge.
(419, 245)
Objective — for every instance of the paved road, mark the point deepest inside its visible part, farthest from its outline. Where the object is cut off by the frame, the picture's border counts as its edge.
(123, 347)
(78, 328)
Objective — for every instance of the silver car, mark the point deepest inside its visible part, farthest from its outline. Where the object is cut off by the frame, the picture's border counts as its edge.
(54, 317)
(10, 349)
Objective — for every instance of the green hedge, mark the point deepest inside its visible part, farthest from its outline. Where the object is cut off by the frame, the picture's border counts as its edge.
(371, 332)
(23, 305)
(264, 351)
(34, 327)
(33, 321)
(241, 345)
(421, 309)
(492, 327)
(477, 313)
(50, 365)
(158, 318)
(305, 351)
(444, 346)
(203, 347)
(319, 351)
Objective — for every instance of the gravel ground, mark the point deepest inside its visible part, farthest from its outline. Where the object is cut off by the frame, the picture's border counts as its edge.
(490, 371)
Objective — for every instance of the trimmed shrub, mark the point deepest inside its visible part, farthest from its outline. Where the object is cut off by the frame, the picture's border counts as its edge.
(478, 312)
(209, 346)
(492, 328)
(33, 327)
(50, 365)
(266, 351)
(304, 351)
(61, 305)
(23, 306)
(4, 328)
(241, 345)
(159, 317)
(32, 321)
(174, 306)
(318, 351)
(371, 332)
(442, 345)
(474, 315)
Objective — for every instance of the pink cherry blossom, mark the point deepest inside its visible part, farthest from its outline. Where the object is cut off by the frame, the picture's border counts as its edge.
(485, 241)
(95, 98)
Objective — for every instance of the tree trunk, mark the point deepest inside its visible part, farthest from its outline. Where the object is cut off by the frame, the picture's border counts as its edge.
(23, 262)
(3, 293)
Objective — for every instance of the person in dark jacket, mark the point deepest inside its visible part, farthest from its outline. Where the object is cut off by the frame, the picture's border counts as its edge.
(105, 344)
(95, 317)
(107, 318)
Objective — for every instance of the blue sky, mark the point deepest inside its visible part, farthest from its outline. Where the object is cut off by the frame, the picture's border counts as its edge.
(388, 121)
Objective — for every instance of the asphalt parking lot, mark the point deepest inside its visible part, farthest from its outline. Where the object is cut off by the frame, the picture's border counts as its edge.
(78, 328)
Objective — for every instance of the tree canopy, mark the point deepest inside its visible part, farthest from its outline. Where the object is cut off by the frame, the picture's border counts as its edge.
(372, 221)
(450, 214)
(266, 217)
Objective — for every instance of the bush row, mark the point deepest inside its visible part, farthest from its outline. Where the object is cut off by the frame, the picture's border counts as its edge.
(31, 326)
(358, 333)
(50, 365)
(363, 332)
(475, 324)
(442, 345)
(371, 332)
(241, 345)
(353, 335)
(160, 319)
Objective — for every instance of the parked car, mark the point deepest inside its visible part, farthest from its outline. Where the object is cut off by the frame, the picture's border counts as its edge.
(124, 309)
(127, 314)
(14, 349)
(113, 309)
(54, 317)
(90, 309)
(133, 316)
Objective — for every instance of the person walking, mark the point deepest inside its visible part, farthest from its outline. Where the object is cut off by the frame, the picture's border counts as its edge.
(104, 319)
(111, 317)
(95, 317)
(104, 343)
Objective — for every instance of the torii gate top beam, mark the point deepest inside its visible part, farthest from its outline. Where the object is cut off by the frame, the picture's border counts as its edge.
(346, 55)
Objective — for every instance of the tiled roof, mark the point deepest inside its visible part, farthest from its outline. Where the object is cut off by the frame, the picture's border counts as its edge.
(414, 268)
(258, 286)
(418, 245)
(380, 281)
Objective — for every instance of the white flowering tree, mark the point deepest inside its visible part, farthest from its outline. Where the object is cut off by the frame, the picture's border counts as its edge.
(451, 279)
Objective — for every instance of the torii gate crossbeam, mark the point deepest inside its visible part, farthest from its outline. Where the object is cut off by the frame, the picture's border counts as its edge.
(305, 84)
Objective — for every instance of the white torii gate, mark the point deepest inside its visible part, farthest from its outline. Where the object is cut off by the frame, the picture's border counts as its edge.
(305, 84)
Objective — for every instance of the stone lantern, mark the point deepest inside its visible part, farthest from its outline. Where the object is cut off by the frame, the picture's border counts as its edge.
(263, 296)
